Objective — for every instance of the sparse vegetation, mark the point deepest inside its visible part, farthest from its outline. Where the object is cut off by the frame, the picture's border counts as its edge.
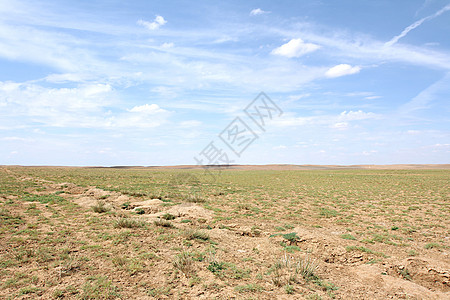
(163, 223)
(99, 288)
(222, 236)
(183, 262)
(125, 222)
(168, 216)
(432, 246)
(348, 236)
(192, 234)
(100, 207)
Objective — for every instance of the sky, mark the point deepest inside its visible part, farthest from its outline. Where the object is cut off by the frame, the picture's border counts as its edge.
(109, 83)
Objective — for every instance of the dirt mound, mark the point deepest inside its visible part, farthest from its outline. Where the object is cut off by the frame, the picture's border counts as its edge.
(185, 211)
(426, 272)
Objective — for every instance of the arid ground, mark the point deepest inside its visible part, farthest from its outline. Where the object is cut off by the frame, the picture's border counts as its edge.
(243, 232)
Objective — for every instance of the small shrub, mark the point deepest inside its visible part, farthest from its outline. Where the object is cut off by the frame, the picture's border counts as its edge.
(307, 267)
(168, 216)
(196, 234)
(291, 237)
(163, 223)
(183, 262)
(289, 289)
(100, 207)
(285, 270)
(125, 222)
(216, 267)
(404, 273)
(195, 198)
(139, 211)
(432, 245)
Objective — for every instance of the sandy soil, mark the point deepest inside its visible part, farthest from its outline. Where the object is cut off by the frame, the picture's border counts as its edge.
(427, 277)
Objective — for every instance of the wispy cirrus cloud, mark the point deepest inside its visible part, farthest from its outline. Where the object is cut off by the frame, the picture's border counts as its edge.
(424, 100)
(147, 109)
(85, 106)
(416, 24)
(341, 120)
(90, 70)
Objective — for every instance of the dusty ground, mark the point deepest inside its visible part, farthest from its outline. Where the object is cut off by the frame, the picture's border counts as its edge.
(220, 247)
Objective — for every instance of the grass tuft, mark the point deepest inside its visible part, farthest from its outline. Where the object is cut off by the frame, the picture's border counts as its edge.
(192, 234)
(125, 222)
(164, 223)
(183, 262)
(100, 207)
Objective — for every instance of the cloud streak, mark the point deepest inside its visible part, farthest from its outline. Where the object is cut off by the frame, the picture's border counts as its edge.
(416, 24)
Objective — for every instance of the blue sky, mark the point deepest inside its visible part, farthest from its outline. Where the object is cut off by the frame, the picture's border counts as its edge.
(154, 82)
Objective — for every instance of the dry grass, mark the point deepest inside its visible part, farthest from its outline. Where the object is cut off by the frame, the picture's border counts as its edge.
(53, 245)
(126, 222)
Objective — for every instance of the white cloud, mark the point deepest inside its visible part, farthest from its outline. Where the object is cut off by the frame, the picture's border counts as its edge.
(31, 105)
(413, 132)
(58, 50)
(167, 45)
(258, 11)
(224, 39)
(356, 115)
(372, 97)
(13, 138)
(85, 106)
(340, 121)
(190, 123)
(367, 153)
(144, 116)
(295, 48)
(165, 91)
(147, 109)
(340, 125)
(34, 99)
(415, 25)
(352, 46)
(342, 70)
(158, 22)
(298, 97)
